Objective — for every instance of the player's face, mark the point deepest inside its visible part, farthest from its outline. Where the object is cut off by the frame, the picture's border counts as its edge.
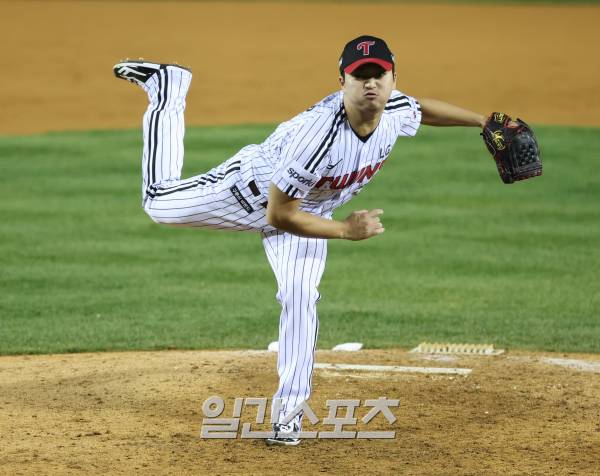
(368, 87)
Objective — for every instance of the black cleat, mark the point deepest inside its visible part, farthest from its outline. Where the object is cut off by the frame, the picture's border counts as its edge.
(140, 71)
(284, 435)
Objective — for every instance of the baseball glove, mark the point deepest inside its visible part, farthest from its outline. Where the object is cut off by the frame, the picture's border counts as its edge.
(513, 146)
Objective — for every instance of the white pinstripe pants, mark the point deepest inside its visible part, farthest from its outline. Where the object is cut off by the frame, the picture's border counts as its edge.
(204, 200)
(207, 201)
(298, 264)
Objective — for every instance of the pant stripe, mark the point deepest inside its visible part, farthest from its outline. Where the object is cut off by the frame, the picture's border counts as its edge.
(162, 73)
(153, 134)
(156, 190)
(162, 90)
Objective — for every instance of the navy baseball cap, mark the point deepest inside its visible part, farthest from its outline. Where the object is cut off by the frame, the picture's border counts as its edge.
(366, 49)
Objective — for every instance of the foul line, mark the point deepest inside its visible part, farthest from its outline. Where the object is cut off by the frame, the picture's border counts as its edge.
(395, 368)
(585, 365)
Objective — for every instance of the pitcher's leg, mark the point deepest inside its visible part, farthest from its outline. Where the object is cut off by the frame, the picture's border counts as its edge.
(298, 264)
(164, 127)
(205, 200)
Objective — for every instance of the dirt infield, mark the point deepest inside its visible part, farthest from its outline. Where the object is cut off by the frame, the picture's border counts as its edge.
(263, 62)
(132, 413)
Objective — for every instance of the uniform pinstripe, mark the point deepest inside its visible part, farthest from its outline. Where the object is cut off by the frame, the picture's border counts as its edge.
(316, 156)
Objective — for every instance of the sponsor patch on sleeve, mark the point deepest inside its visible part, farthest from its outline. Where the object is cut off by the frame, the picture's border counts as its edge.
(296, 176)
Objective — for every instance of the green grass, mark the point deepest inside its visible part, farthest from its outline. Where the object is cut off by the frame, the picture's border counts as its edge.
(464, 257)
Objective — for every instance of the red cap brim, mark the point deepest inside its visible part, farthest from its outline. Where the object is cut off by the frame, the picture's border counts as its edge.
(384, 64)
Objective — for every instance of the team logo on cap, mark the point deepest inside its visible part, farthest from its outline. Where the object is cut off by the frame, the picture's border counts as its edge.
(365, 46)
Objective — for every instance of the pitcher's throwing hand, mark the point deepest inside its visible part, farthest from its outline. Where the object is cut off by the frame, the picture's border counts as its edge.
(363, 224)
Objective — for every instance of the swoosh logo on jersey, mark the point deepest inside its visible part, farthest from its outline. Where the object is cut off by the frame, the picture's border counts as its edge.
(330, 166)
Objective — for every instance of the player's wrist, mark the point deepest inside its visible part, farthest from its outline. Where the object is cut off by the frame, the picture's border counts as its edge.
(343, 230)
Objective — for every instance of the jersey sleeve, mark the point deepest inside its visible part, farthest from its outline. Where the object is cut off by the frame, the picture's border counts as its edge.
(405, 112)
(302, 159)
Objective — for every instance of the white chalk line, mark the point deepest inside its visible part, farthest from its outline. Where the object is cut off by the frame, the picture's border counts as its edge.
(395, 368)
(584, 365)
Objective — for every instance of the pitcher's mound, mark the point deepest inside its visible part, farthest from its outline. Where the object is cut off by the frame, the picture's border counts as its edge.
(142, 411)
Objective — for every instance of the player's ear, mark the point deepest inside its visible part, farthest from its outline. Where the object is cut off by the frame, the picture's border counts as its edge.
(342, 80)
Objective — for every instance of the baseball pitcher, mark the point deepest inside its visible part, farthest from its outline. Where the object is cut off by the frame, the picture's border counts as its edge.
(287, 188)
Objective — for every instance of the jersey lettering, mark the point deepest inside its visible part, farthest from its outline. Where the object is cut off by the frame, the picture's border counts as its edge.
(357, 176)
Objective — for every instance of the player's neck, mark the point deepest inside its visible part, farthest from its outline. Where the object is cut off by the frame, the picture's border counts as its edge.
(362, 122)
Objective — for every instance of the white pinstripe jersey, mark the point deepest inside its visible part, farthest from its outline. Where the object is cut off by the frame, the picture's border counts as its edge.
(318, 157)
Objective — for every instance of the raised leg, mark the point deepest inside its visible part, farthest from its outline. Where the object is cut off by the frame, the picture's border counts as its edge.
(164, 128)
(206, 200)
